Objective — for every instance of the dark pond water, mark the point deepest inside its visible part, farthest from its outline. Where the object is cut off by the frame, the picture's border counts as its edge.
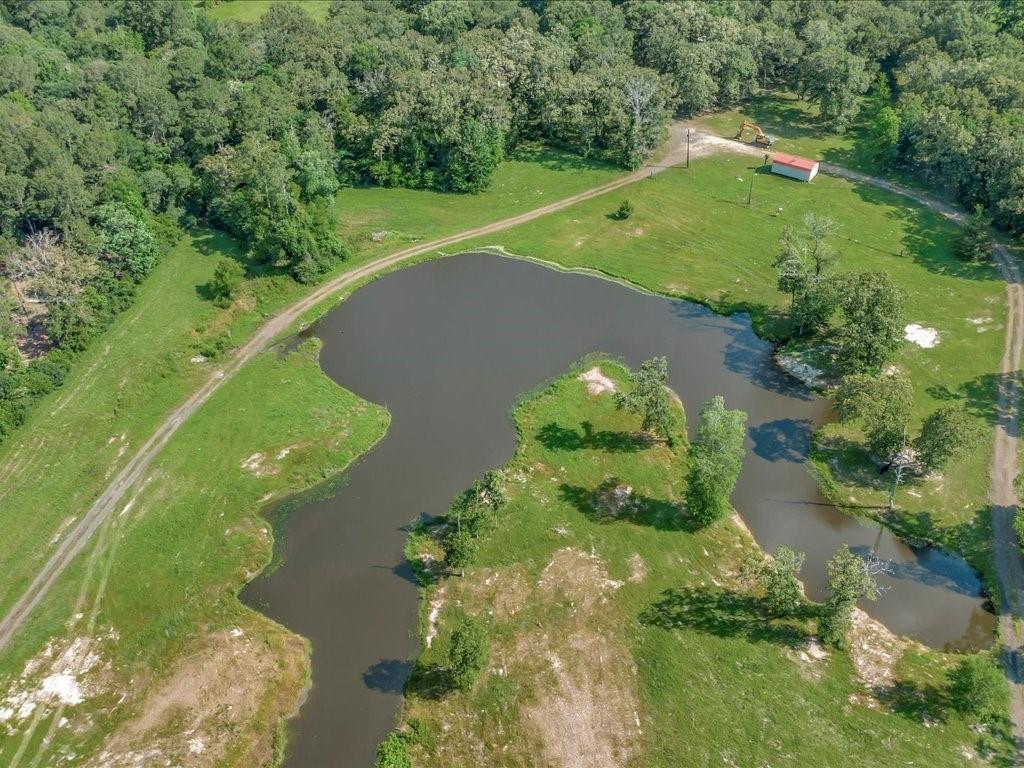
(447, 346)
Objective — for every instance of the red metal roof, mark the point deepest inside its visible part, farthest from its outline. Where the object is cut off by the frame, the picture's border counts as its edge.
(794, 162)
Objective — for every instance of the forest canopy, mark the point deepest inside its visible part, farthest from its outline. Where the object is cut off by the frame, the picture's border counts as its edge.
(127, 120)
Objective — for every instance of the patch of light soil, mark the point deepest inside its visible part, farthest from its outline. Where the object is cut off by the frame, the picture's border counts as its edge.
(580, 578)
(597, 383)
(205, 707)
(586, 713)
(809, 657)
(257, 464)
(60, 674)
(637, 568)
(805, 372)
(435, 611)
(874, 651)
(922, 336)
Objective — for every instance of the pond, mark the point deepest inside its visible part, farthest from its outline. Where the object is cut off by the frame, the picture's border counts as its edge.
(448, 346)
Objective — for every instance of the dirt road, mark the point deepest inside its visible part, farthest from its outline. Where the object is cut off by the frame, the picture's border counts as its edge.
(673, 153)
(1006, 551)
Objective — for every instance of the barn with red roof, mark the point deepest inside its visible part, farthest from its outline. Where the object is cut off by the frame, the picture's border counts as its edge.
(795, 167)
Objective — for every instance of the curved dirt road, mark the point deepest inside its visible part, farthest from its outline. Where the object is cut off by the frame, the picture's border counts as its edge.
(1006, 551)
(73, 542)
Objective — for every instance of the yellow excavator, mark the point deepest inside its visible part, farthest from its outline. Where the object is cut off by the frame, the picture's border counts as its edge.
(761, 138)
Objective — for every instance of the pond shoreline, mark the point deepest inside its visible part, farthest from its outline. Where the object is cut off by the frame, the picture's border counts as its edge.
(748, 358)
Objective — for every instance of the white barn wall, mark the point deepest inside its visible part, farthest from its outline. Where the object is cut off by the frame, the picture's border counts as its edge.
(794, 173)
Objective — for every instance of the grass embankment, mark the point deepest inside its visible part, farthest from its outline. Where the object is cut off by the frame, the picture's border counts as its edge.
(174, 562)
(692, 235)
(620, 635)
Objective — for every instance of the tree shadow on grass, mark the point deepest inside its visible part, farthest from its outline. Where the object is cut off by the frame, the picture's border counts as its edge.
(724, 613)
(928, 235)
(558, 159)
(609, 503)
(920, 702)
(555, 437)
(850, 463)
(979, 397)
(777, 114)
(428, 681)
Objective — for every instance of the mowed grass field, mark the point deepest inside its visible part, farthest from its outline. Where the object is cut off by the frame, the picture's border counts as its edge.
(532, 176)
(253, 10)
(621, 635)
(194, 538)
(692, 235)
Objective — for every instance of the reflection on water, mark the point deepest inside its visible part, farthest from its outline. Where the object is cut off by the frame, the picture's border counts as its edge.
(447, 346)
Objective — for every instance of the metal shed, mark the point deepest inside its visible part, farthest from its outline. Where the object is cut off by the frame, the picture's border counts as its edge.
(795, 167)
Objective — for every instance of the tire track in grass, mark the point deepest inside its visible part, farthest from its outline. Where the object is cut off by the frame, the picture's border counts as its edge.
(42, 708)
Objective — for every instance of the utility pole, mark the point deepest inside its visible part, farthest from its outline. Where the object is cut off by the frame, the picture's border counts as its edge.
(753, 173)
(687, 148)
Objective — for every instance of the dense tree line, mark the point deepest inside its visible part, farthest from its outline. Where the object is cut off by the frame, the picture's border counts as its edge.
(126, 119)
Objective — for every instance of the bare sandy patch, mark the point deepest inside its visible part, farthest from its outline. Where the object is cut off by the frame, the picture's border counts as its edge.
(874, 650)
(637, 568)
(597, 383)
(922, 336)
(586, 717)
(213, 701)
(585, 712)
(254, 463)
(575, 576)
(809, 657)
(433, 613)
(260, 465)
(506, 591)
(66, 672)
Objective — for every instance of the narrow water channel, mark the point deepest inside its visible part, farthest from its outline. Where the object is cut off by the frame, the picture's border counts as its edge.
(447, 346)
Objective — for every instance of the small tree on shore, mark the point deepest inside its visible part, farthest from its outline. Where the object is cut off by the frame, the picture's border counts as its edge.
(978, 688)
(492, 490)
(872, 328)
(804, 266)
(715, 459)
(779, 577)
(468, 653)
(460, 547)
(973, 243)
(849, 579)
(881, 406)
(649, 398)
(392, 753)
